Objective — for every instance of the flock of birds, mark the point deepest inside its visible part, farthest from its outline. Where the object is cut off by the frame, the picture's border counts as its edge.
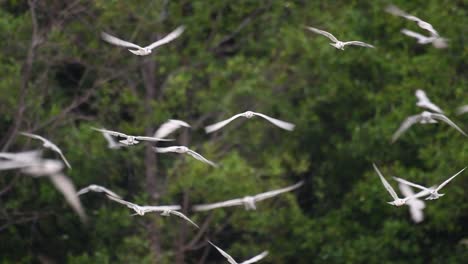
(32, 163)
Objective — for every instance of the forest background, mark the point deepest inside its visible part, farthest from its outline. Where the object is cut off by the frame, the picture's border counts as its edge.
(59, 79)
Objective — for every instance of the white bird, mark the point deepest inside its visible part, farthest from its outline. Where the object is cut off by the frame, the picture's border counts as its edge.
(25, 156)
(416, 206)
(462, 109)
(423, 118)
(142, 51)
(421, 23)
(247, 201)
(397, 201)
(170, 126)
(48, 144)
(97, 188)
(232, 261)
(433, 192)
(129, 140)
(185, 150)
(248, 115)
(437, 42)
(66, 187)
(165, 210)
(336, 43)
(424, 102)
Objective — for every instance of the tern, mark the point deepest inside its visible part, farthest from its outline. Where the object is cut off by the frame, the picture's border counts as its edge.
(424, 102)
(416, 206)
(129, 140)
(232, 261)
(165, 210)
(437, 42)
(462, 110)
(170, 126)
(421, 23)
(142, 51)
(423, 118)
(248, 115)
(336, 43)
(396, 200)
(48, 144)
(247, 201)
(185, 150)
(433, 192)
(97, 188)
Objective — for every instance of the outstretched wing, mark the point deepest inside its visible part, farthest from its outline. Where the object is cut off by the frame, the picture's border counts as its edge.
(153, 139)
(170, 37)
(448, 180)
(266, 195)
(116, 199)
(118, 42)
(277, 122)
(66, 187)
(442, 117)
(256, 258)
(323, 33)
(110, 132)
(166, 149)
(181, 215)
(206, 207)
(358, 43)
(226, 255)
(415, 35)
(201, 158)
(170, 126)
(400, 180)
(405, 125)
(385, 183)
(216, 126)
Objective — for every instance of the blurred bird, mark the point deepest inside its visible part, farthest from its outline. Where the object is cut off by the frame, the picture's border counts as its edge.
(433, 192)
(129, 140)
(462, 109)
(97, 188)
(416, 206)
(423, 118)
(421, 23)
(66, 187)
(396, 200)
(170, 126)
(424, 102)
(165, 210)
(248, 115)
(185, 150)
(437, 42)
(142, 51)
(25, 156)
(48, 144)
(336, 43)
(247, 201)
(232, 261)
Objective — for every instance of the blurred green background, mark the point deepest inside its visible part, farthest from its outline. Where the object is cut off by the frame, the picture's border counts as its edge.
(58, 78)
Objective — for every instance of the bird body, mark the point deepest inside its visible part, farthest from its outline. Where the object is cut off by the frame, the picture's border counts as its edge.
(129, 140)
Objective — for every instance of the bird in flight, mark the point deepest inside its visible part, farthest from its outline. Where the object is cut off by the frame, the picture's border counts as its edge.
(248, 115)
(142, 51)
(437, 42)
(170, 126)
(48, 144)
(424, 102)
(248, 201)
(423, 118)
(185, 150)
(129, 140)
(336, 43)
(232, 261)
(97, 188)
(397, 201)
(416, 206)
(165, 210)
(433, 192)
